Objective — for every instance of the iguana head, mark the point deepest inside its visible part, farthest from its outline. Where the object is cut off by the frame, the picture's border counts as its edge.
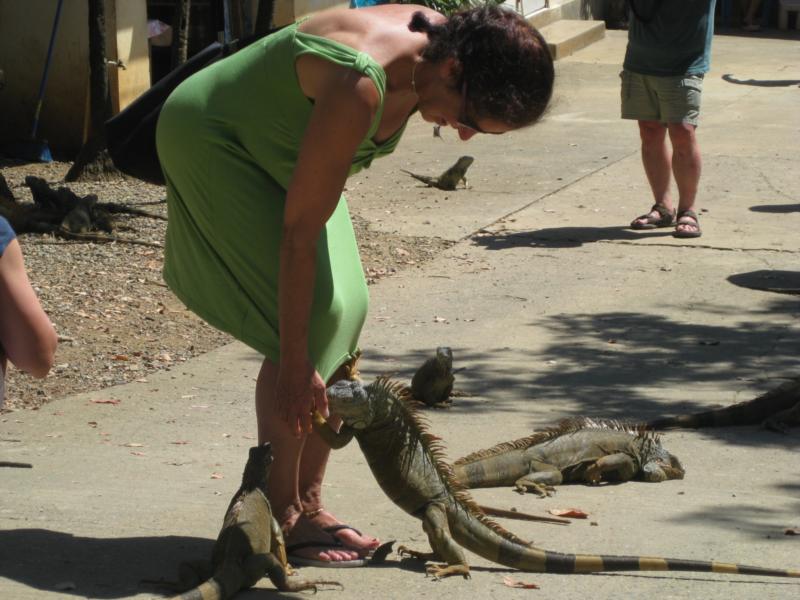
(444, 354)
(657, 463)
(363, 406)
(350, 400)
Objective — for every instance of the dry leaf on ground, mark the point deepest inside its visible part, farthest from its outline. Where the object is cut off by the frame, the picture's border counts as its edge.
(516, 583)
(571, 513)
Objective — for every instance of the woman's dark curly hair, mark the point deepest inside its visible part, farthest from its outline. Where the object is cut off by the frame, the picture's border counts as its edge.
(504, 61)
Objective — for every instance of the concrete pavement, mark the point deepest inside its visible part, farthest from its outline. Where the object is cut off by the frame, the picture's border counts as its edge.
(552, 307)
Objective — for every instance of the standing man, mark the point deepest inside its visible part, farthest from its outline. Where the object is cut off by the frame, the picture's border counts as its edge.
(669, 44)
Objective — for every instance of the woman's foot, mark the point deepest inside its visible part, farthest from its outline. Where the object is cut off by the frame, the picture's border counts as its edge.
(306, 543)
(348, 536)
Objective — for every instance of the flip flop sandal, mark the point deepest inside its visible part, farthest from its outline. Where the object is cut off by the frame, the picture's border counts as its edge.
(332, 529)
(303, 561)
(666, 218)
(687, 214)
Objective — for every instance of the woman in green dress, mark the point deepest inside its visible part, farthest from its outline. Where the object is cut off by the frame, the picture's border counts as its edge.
(256, 149)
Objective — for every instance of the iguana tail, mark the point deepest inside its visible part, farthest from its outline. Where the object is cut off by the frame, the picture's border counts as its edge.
(213, 589)
(473, 535)
(210, 590)
(423, 178)
(750, 412)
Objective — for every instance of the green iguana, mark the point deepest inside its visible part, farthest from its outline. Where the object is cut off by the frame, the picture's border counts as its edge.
(407, 461)
(432, 383)
(777, 409)
(250, 544)
(577, 450)
(448, 180)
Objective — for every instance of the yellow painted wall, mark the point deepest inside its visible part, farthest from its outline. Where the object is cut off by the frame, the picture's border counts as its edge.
(288, 11)
(132, 49)
(25, 28)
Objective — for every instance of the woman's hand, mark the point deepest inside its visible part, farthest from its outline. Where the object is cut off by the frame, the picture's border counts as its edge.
(300, 390)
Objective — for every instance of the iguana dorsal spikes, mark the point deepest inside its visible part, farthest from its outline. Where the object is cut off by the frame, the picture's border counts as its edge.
(565, 426)
(433, 444)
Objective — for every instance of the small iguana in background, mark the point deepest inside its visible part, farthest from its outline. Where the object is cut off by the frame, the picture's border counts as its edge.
(577, 450)
(450, 178)
(777, 409)
(408, 463)
(432, 383)
(250, 544)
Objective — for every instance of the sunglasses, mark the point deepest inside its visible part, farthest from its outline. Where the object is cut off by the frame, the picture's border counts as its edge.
(464, 120)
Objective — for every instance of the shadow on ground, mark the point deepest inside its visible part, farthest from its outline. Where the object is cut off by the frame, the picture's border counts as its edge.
(757, 521)
(769, 280)
(776, 208)
(613, 364)
(761, 82)
(102, 567)
(564, 237)
(99, 567)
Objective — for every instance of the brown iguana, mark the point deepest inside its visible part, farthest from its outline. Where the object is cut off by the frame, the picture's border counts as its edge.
(407, 461)
(450, 178)
(777, 409)
(432, 383)
(250, 544)
(577, 450)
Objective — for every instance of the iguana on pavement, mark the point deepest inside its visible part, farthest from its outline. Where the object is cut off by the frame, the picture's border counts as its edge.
(777, 409)
(407, 461)
(250, 544)
(450, 178)
(432, 383)
(577, 450)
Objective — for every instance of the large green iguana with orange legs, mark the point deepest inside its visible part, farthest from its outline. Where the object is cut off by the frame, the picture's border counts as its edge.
(407, 461)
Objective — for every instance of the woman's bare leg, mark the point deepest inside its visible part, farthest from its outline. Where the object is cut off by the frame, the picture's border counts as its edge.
(296, 479)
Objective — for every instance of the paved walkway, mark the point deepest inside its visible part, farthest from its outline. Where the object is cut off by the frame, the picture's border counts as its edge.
(552, 308)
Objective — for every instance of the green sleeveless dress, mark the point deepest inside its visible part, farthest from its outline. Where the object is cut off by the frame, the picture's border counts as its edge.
(228, 139)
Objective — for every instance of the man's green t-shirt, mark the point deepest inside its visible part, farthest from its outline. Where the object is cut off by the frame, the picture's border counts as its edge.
(670, 37)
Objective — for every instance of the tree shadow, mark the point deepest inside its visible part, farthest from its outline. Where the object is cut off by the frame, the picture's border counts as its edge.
(761, 82)
(564, 237)
(99, 567)
(776, 208)
(769, 280)
(756, 521)
(603, 364)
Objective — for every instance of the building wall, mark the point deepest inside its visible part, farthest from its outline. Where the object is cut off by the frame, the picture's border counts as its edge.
(288, 11)
(25, 29)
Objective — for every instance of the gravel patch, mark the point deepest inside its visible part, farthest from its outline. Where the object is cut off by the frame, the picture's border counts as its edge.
(117, 321)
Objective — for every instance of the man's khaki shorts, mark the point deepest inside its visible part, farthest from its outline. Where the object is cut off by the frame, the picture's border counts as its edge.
(664, 99)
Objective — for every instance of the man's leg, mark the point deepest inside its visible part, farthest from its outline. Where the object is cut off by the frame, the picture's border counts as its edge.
(283, 485)
(686, 165)
(657, 161)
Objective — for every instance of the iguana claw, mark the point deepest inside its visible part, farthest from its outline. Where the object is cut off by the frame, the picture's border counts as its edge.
(442, 571)
(543, 491)
(423, 556)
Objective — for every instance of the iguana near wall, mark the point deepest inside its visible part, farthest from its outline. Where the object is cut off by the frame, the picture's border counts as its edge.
(407, 461)
(250, 544)
(777, 409)
(577, 450)
(449, 180)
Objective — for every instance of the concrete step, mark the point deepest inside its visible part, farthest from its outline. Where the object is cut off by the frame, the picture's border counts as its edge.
(567, 36)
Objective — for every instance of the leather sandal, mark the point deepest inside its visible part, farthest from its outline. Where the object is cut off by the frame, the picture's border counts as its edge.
(665, 218)
(683, 219)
